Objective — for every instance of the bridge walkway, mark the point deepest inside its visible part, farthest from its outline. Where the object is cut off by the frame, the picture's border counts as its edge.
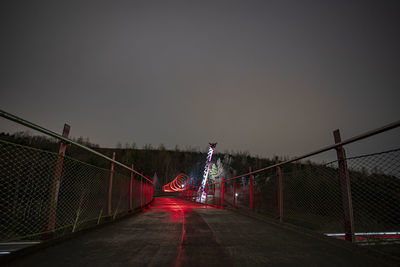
(173, 232)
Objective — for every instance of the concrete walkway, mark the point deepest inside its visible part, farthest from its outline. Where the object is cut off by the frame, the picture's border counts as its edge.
(172, 232)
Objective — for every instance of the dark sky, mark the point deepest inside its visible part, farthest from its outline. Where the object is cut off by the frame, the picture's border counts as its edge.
(269, 77)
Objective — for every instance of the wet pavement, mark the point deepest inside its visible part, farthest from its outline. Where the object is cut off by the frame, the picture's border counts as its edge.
(173, 232)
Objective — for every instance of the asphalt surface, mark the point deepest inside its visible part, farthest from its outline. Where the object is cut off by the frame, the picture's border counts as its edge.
(172, 232)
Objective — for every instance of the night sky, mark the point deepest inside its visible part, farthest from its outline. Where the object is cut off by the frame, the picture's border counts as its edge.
(267, 77)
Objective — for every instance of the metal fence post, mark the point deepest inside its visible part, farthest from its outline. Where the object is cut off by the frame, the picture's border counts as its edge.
(57, 179)
(141, 192)
(130, 191)
(346, 190)
(144, 193)
(234, 189)
(222, 192)
(279, 192)
(109, 208)
(250, 192)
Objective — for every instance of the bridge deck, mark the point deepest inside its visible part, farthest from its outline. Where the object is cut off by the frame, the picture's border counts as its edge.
(173, 232)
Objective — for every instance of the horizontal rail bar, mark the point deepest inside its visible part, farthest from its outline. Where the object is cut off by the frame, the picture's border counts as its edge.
(38, 128)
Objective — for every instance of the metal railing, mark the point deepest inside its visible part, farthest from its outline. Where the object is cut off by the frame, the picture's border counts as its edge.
(356, 198)
(46, 194)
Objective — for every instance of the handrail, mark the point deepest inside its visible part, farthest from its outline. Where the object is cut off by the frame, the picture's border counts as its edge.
(345, 142)
(38, 128)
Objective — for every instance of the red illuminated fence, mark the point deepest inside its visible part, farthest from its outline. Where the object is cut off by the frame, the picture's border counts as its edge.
(350, 198)
(44, 194)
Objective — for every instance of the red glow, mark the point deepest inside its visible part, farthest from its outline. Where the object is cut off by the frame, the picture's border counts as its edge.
(180, 183)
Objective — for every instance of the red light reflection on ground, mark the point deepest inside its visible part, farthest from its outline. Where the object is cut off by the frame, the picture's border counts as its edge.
(176, 209)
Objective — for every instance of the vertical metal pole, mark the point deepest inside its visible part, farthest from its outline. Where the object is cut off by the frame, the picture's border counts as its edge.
(141, 192)
(109, 208)
(222, 192)
(130, 191)
(279, 192)
(55, 188)
(346, 189)
(234, 189)
(144, 192)
(250, 191)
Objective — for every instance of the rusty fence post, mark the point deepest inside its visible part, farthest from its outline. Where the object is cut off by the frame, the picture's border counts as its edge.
(141, 192)
(55, 188)
(345, 188)
(110, 186)
(130, 191)
(250, 192)
(279, 192)
(144, 192)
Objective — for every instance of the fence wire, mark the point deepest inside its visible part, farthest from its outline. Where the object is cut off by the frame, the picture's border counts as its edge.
(375, 189)
(311, 195)
(312, 198)
(27, 182)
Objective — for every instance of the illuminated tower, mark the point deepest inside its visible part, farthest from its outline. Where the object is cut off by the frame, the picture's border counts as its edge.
(201, 194)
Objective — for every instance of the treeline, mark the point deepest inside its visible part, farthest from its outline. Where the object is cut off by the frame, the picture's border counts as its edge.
(166, 164)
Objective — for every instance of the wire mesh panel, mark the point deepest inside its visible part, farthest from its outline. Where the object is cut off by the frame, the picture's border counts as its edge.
(209, 194)
(242, 193)
(375, 189)
(217, 194)
(33, 203)
(26, 176)
(120, 194)
(265, 193)
(312, 198)
(136, 193)
(82, 196)
(228, 191)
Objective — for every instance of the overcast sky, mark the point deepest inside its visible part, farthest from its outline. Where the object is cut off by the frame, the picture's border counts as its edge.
(268, 77)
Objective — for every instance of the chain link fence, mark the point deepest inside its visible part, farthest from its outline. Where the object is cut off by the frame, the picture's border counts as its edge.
(29, 201)
(310, 196)
(375, 189)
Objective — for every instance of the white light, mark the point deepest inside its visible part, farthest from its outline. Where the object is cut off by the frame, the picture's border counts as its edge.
(201, 194)
(236, 194)
(367, 233)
